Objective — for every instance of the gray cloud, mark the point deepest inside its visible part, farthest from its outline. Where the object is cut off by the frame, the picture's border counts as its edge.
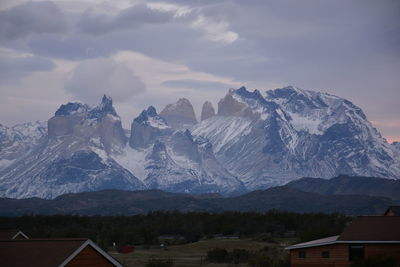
(14, 68)
(94, 77)
(347, 48)
(31, 17)
(130, 17)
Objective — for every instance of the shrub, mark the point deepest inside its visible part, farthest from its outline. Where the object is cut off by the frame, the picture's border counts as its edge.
(218, 255)
(239, 256)
(261, 259)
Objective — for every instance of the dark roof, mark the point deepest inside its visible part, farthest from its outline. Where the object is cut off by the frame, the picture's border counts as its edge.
(368, 229)
(10, 234)
(372, 228)
(394, 209)
(43, 252)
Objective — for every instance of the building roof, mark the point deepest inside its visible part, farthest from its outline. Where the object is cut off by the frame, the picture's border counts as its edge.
(314, 243)
(11, 234)
(372, 228)
(45, 252)
(364, 229)
(394, 209)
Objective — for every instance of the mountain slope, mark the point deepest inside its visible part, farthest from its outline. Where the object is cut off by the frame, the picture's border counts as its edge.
(290, 133)
(18, 140)
(350, 185)
(255, 141)
(118, 202)
(72, 157)
(172, 159)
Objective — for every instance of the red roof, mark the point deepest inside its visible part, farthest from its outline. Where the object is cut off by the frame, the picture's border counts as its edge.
(44, 252)
(364, 229)
(10, 234)
(372, 228)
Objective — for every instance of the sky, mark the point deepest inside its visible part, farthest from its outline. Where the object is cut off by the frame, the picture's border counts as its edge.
(145, 53)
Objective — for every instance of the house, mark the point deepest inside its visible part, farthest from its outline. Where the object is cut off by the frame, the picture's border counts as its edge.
(53, 252)
(393, 211)
(366, 236)
(12, 234)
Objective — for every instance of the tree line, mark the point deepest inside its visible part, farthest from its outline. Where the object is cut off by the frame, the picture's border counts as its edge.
(146, 229)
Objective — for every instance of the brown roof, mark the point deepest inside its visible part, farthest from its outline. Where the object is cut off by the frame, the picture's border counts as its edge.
(372, 228)
(364, 229)
(8, 234)
(41, 252)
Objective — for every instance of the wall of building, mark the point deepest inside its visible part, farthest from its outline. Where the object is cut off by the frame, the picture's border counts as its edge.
(339, 254)
(389, 250)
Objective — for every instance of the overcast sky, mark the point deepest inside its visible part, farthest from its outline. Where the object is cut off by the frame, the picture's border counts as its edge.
(145, 53)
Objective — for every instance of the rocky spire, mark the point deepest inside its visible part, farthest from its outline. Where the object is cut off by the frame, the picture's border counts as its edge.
(105, 107)
(207, 111)
(179, 114)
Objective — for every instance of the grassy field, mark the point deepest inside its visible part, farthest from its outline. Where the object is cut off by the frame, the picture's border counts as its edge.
(193, 254)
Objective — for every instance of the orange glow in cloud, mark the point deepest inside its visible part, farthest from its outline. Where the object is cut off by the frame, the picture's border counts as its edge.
(392, 139)
(387, 128)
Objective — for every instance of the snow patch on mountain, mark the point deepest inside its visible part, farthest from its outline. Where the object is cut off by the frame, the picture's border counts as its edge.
(135, 161)
(222, 131)
(304, 123)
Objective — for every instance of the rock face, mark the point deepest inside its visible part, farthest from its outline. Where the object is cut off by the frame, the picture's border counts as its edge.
(79, 121)
(286, 133)
(207, 111)
(73, 156)
(257, 140)
(174, 160)
(17, 141)
(179, 115)
(147, 128)
(396, 147)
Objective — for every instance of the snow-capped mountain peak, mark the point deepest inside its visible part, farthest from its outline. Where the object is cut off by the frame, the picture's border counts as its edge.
(257, 139)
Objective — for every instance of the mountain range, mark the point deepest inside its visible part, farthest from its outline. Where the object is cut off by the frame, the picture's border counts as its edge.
(122, 202)
(254, 141)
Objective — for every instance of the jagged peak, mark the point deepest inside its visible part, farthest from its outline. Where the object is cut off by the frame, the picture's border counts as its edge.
(106, 98)
(103, 109)
(243, 92)
(71, 108)
(106, 102)
(150, 112)
(287, 92)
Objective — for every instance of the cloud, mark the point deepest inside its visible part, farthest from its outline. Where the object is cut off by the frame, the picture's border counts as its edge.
(347, 48)
(95, 23)
(95, 77)
(215, 30)
(12, 69)
(31, 17)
